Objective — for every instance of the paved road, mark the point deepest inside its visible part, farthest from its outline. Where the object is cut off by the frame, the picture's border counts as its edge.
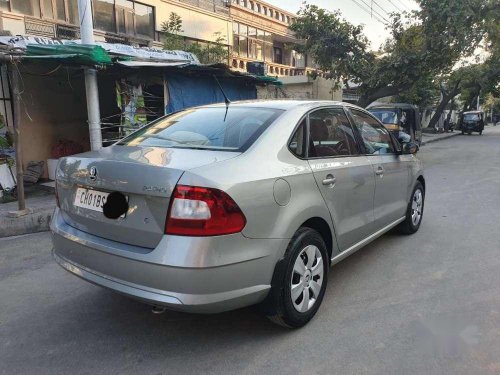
(424, 304)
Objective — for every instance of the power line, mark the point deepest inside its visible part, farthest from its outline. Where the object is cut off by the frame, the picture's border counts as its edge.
(368, 11)
(374, 11)
(395, 6)
(402, 3)
(382, 9)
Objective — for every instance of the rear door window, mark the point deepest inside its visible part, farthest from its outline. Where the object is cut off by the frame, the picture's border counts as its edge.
(331, 134)
(212, 128)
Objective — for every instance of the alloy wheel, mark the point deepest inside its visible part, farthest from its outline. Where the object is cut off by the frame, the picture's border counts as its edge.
(307, 278)
(416, 207)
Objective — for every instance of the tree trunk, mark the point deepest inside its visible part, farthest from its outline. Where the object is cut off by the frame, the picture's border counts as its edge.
(371, 95)
(442, 105)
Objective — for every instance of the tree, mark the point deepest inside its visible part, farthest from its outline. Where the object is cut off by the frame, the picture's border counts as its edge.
(207, 53)
(423, 93)
(211, 53)
(423, 44)
(171, 30)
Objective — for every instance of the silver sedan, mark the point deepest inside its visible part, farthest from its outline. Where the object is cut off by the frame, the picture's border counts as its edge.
(223, 206)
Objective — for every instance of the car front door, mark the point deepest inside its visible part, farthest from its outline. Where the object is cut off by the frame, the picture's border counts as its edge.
(344, 176)
(391, 169)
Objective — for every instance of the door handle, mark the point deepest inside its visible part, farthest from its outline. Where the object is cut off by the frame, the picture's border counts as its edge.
(329, 180)
(379, 171)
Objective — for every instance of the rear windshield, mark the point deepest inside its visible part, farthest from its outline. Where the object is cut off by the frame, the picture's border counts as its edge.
(386, 116)
(231, 129)
(471, 116)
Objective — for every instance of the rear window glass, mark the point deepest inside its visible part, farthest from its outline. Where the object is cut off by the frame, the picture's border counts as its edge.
(386, 116)
(214, 128)
(471, 117)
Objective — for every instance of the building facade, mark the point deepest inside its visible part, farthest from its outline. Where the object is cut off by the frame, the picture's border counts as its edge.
(252, 30)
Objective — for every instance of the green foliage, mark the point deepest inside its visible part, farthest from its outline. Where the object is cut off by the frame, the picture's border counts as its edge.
(171, 30)
(423, 93)
(423, 45)
(207, 53)
(337, 46)
(210, 53)
(492, 103)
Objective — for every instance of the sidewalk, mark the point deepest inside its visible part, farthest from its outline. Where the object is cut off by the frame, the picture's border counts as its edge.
(434, 137)
(41, 208)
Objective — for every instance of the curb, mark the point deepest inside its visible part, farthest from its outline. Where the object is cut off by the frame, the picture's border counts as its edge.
(31, 223)
(440, 138)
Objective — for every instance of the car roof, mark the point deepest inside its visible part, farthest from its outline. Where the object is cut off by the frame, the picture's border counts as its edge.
(392, 105)
(281, 104)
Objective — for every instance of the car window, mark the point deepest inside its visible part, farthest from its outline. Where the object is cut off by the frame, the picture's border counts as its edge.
(386, 116)
(471, 117)
(298, 142)
(331, 134)
(213, 128)
(376, 138)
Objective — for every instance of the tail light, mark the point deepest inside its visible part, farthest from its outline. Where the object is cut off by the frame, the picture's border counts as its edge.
(201, 211)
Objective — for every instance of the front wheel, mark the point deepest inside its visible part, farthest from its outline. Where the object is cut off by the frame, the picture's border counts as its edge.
(296, 296)
(414, 211)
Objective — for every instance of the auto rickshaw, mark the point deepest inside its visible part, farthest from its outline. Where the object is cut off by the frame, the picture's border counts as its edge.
(399, 117)
(472, 121)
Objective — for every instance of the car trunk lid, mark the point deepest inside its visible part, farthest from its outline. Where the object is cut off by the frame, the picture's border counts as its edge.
(145, 175)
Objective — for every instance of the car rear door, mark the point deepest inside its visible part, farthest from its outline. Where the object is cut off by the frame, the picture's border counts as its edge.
(391, 170)
(344, 176)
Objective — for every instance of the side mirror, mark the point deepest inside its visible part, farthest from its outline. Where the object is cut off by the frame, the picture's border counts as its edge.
(410, 148)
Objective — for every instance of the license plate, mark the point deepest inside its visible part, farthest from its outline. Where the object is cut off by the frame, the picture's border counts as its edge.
(90, 199)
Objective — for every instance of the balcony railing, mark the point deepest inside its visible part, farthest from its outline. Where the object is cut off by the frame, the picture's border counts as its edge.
(38, 27)
(216, 6)
(272, 69)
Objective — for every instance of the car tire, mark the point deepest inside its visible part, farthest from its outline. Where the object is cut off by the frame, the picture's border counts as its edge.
(295, 298)
(414, 211)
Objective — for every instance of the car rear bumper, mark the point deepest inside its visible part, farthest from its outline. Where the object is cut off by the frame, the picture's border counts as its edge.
(201, 275)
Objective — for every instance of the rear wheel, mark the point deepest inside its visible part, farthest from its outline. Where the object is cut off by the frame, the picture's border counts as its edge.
(414, 211)
(300, 288)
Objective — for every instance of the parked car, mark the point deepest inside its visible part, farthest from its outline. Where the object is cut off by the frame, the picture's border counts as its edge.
(218, 207)
(472, 121)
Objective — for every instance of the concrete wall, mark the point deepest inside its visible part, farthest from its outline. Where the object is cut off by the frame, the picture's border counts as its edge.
(302, 87)
(53, 108)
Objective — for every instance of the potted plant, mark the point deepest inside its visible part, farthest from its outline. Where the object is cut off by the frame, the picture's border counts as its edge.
(62, 148)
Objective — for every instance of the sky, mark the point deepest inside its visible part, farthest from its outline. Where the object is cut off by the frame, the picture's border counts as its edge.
(357, 14)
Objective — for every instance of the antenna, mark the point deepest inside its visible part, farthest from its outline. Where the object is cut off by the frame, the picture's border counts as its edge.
(226, 99)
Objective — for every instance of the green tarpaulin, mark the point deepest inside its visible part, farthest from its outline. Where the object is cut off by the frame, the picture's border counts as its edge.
(77, 53)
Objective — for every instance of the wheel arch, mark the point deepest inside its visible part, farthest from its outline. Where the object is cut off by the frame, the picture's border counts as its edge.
(421, 179)
(321, 226)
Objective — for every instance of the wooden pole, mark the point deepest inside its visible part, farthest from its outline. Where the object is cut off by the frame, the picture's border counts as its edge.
(16, 101)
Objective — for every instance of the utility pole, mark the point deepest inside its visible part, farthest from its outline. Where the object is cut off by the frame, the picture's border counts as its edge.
(91, 88)
(16, 101)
